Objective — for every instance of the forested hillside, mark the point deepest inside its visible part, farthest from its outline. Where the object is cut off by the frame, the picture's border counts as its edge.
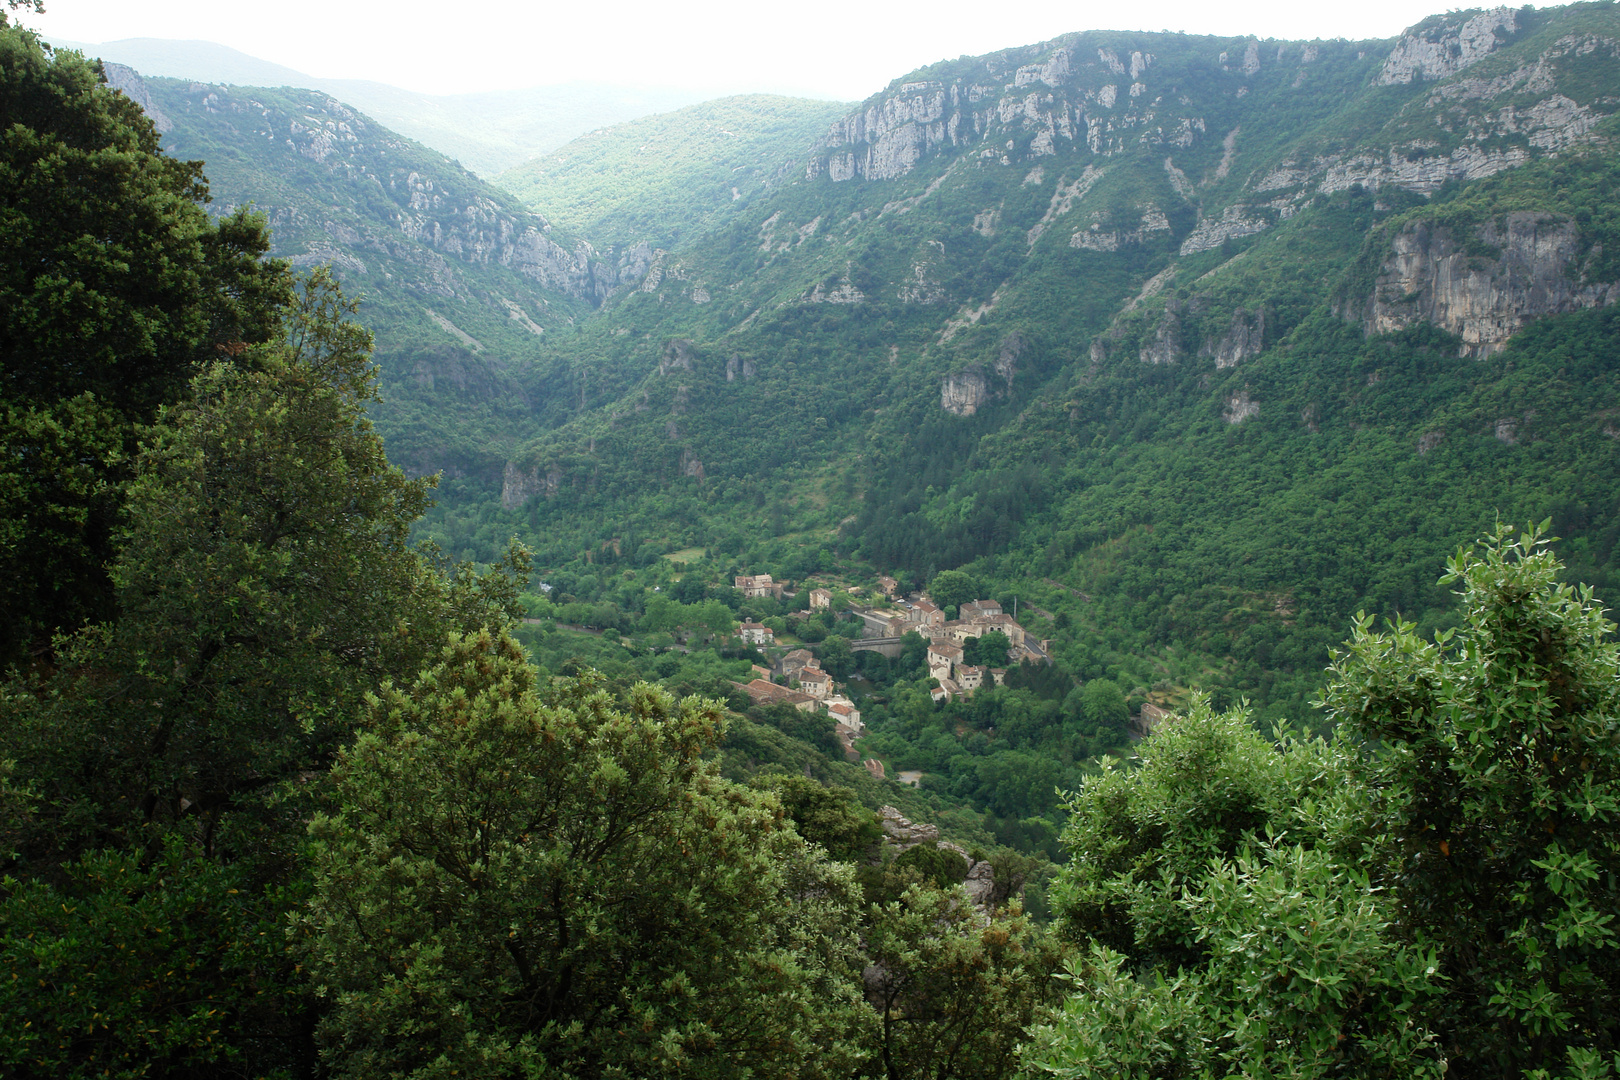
(1200, 344)
(668, 178)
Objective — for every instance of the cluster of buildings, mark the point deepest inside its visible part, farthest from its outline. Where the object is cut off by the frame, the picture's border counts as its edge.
(816, 693)
(946, 638)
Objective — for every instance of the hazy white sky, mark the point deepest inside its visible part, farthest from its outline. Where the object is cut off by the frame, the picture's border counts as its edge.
(843, 49)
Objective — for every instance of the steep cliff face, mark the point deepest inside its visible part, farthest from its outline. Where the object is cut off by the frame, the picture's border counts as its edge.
(519, 485)
(1014, 106)
(1488, 90)
(1429, 276)
(964, 392)
(1440, 48)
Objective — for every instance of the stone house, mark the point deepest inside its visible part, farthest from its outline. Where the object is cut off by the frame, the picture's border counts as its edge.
(753, 633)
(794, 662)
(946, 690)
(970, 677)
(942, 657)
(768, 693)
(925, 613)
(974, 610)
(844, 711)
(999, 674)
(1004, 623)
(889, 586)
(754, 586)
(820, 599)
(815, 682)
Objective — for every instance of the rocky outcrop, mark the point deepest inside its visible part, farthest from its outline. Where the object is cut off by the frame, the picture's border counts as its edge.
(127, 81)
(677, 355)
(1420, 172)
(1429, 52)
(1235, 222)
(1240, 407)
(691, 465)
(964, 392)
(1096, 238)
(739, 368)
(1524, 265)
(519, 485)
(900, 834)
(1244, 340)
(1164, 347)
(1011, 348)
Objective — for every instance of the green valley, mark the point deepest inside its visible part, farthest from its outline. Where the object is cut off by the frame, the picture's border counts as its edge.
(1019, 575)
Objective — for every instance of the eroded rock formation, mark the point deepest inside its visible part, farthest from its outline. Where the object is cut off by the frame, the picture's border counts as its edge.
(1523, 266)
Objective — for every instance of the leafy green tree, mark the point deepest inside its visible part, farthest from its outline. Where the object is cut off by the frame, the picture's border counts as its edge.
(988, 649)
(829, 816)
(132, 964)
(167, 768)
(954, 991)
(952, 588)
(1208, 784)
(268, 585)
(836, 656)
(1500, 794)
(523, 881)
(1304, 977)
(1206, 946)
(115, 285)
(1102, 702)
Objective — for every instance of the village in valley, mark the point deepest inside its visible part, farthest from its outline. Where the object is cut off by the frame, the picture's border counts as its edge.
(795, 676)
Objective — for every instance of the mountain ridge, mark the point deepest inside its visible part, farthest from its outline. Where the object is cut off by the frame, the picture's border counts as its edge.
(487, 131)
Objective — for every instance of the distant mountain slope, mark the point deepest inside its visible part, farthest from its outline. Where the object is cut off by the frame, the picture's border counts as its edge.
(460, 284)
(664, 179)
(487, 132)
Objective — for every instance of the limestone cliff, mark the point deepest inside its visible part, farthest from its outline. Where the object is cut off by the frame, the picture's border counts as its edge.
(963, 392)
(1430, 276)
(128, 81)
(1440, 48)
(519, 485)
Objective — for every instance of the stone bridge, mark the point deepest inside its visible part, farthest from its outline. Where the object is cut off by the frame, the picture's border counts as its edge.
(888, 646)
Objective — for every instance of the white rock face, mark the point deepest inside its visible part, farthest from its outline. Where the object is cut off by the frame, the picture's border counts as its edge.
(1165, 345)
(1235, 221)
(1240, 407)
(844, 293)
(1429, 277)
(1096, 238)
(1441, 52)
(677, 355)
(519, 485)
(1245, 340)
(963, 392)
(127, 81)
